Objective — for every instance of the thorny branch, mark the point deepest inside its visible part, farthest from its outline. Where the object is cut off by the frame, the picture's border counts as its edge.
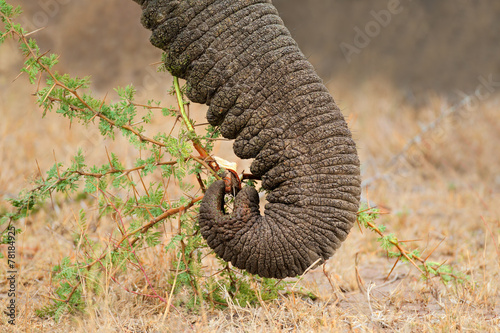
(126, 236)
(411, 256)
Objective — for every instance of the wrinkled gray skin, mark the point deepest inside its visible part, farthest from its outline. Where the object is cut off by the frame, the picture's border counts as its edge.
(238, 58)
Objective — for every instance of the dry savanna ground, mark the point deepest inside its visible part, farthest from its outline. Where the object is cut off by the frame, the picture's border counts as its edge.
(432, 167)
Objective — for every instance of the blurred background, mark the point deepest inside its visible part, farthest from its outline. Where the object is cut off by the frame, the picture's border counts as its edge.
(418, 82)
(378, 58)
(424, 45)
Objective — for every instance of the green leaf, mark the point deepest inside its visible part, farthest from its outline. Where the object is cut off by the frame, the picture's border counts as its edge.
(174, 242)
(388, 241)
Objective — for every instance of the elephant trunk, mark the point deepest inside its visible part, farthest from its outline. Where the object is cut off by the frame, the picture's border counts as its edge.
(238, 58)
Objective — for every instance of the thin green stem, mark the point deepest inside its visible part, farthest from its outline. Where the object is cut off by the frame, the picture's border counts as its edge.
(182, 110)
(196, 142)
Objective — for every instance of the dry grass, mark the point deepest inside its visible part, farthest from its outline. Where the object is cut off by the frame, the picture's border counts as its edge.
(447, 191)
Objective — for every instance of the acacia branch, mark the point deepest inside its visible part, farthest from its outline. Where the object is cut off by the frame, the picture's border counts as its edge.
(194, 138)
(425, 267)
(74, 92)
